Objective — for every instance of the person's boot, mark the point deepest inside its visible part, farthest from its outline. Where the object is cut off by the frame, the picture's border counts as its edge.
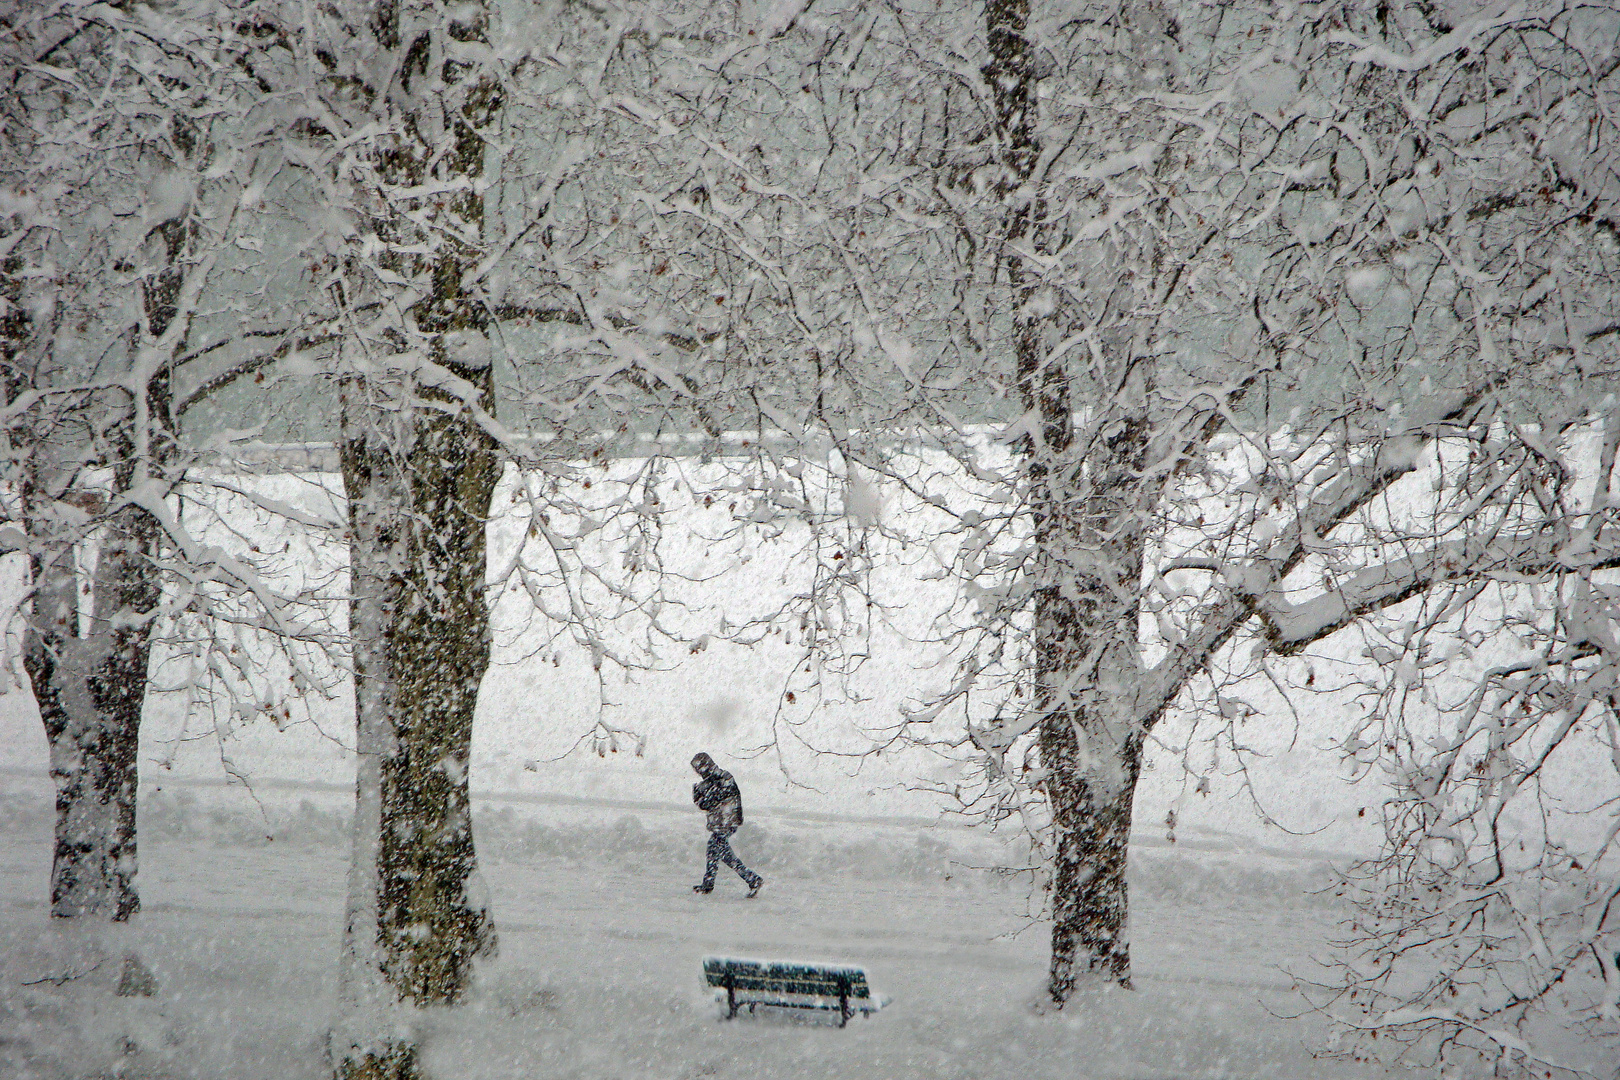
(704, 889)
(754, 887)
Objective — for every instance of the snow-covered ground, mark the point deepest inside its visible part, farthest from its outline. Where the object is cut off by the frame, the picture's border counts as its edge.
(601, 939)
(590, 860)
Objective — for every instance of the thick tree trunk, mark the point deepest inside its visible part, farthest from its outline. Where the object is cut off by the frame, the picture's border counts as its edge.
(417, 915)
(1088, 563)
(1088, 664)
(1086, 566)
(432, 923)
(93, 764)
(420, 474)
(87, 664)
(1090, 897)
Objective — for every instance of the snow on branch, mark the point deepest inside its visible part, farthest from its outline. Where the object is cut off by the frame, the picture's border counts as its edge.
(1344, 491)
(1290, 627)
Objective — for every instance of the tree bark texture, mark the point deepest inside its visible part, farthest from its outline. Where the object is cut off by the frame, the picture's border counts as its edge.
(1086, 564)
(418, 577)
(1087, 664)
(420, 474)
(87, 664)
(420, 626)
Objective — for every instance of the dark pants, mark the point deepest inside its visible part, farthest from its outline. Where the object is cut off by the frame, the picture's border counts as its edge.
(720, 852)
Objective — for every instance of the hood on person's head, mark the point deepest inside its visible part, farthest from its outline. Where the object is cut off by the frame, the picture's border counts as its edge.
(704, 764)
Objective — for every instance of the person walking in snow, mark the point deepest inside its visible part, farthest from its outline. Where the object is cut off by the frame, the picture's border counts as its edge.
(717, 794)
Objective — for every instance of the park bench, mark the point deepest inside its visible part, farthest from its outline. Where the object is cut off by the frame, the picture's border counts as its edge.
(790, 985)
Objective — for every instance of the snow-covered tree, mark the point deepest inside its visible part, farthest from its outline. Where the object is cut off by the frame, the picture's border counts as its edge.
(399, 107)
(1487, 927)
(129, 138)
(438, 262)
(199, 192)
(1160, 308)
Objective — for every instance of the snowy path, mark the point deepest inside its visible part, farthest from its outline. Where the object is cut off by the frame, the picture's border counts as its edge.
(960, 994)
(598, 977)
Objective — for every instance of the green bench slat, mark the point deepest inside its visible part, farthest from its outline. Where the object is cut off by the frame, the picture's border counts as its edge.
(777, 986)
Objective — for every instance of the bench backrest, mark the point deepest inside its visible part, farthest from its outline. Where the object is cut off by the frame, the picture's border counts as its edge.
(786, 977)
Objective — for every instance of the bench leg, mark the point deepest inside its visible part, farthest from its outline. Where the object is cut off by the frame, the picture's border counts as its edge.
(731, 997)
(843, 1004)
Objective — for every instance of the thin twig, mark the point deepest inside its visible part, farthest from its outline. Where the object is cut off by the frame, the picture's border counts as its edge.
(59, 980)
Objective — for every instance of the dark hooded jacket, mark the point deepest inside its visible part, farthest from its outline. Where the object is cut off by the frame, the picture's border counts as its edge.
(717, 793)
